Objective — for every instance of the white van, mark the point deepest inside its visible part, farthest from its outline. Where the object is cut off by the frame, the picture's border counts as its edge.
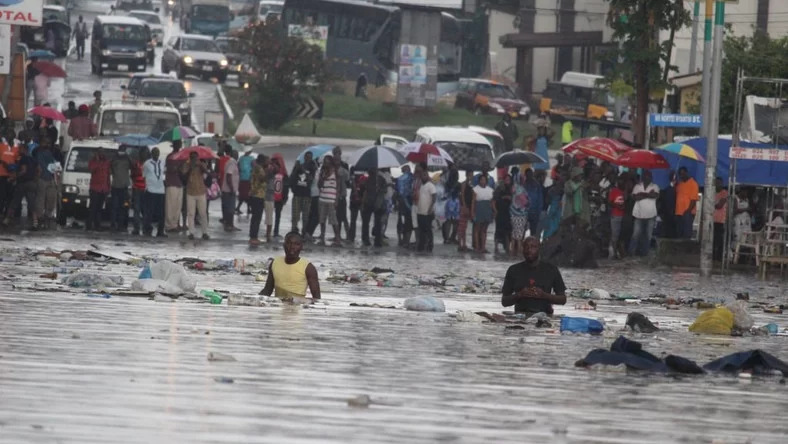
(581, 79)
(76, 177)
(465, 146)
(145, 116)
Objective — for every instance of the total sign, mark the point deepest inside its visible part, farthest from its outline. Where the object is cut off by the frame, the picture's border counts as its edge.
(22, 12)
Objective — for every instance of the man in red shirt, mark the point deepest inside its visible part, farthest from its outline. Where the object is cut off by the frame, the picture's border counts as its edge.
(137, 189)
(616, 199)
(99, 167)
(81, 127)
(220, 165)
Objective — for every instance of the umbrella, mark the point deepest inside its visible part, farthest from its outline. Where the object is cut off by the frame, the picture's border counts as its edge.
(683, 151)
(178, 133)
(425, 152)
(47, 113)
(137, 140)
(598, 147)
(41, 54)
(517, 157)
(203, 153)
(49, 69)
(317, 151)
(376, 157)
(648, 160)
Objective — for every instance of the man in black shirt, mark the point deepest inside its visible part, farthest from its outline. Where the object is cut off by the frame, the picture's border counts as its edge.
(533, 286)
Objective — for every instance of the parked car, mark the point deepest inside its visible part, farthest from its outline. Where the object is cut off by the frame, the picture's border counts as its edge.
(191, 54)
(170, 89)
(483, 96)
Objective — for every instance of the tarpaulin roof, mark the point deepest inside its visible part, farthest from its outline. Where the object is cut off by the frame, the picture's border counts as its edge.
(748, 172)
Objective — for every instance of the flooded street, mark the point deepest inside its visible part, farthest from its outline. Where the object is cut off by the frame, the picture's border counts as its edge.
(88, 370)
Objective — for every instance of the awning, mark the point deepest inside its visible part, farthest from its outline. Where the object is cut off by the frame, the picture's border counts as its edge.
(551, 39)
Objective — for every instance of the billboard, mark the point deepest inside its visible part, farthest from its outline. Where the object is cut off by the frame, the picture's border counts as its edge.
(442, 4)
(22, 12)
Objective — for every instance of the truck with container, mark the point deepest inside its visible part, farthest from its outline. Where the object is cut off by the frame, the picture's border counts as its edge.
(209, 17)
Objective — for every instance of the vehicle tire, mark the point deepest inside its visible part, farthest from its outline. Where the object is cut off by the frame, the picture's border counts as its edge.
(179, 71)
(477, 110)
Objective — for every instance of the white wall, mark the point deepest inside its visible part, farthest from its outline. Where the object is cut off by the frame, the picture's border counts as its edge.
(502, 59)
(546, 20)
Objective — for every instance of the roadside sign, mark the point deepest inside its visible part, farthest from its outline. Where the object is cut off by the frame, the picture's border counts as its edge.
(5, 49)
(214, 122)
(22, 12)
(675, 120)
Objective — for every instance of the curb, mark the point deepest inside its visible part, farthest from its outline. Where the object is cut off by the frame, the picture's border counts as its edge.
(223, 100)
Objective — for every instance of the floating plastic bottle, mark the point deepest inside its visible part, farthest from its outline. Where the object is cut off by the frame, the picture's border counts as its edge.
(213, 296)
(581, 325)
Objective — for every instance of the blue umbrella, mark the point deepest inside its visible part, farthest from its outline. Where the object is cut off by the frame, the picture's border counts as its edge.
(317, 151)
(137, 140)
(41, 54)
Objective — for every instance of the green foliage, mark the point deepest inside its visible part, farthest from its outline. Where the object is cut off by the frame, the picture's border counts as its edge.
(634, 24)
(621, 89)
(758, 56)
(285, 68)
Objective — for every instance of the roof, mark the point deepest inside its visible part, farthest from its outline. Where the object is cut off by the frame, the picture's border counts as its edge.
(142, 104)
(163, 79)
(55, 7)
(196, 37)
(450, 134)
(485, 131)
(119, 20)
(143, 11)
(686, 80)
(94, 143)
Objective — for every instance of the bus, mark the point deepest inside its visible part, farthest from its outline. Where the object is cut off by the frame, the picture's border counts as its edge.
(363, 42)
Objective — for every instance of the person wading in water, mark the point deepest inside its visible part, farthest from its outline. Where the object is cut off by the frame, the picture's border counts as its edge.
(289, 275)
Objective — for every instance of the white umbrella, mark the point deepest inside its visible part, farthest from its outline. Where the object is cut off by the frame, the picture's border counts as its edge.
(376, 157)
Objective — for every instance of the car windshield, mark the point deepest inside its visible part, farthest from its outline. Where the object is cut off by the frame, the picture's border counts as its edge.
(152, 19)
(224, 44)
(199, 45)
(270, 8)
(468, 155)
(55, 14)
(125, 32)
(496, 91)
(496, 142)
(211, 12)
(79, 156)
(120, 122)
(166, 90)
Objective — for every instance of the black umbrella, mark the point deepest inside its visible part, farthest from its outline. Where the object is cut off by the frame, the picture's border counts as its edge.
(517, 157)
(376, 157)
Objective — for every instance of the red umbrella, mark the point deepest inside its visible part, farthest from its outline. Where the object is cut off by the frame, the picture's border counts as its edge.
(49, 69)
(648, 160)
(47, 113)
(599, 147)
(203, 153)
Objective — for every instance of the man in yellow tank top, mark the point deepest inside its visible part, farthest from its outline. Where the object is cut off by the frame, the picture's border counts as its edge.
(289, 275)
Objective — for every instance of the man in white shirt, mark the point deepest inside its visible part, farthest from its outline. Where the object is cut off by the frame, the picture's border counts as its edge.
(230, 183)
(645, 214)
(425, 212)
(153, 171)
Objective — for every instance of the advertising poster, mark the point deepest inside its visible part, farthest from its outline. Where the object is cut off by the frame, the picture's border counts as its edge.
(315, 35)
(22, 12)
(413, 65)
(5, 49)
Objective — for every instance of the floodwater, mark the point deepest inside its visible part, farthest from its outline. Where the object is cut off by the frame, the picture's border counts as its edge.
(80, 370)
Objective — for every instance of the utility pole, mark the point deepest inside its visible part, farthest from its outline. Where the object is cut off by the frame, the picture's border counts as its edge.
(711, 151)
(706, 91)
(694, 46)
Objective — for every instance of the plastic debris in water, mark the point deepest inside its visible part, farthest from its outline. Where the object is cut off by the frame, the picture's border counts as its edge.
(99, 296)
(360, 401)
(220, 357)
(224, 380)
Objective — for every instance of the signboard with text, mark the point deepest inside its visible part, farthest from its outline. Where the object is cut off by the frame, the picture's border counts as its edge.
(675, 120)
(768, 154)
(22, 12)
(5, 49)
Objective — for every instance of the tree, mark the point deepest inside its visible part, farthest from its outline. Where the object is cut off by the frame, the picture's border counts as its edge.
(759, 56)
(284, 69)
(640, 58)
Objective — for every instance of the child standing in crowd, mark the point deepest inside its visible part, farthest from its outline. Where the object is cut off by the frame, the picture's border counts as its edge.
(452, 215)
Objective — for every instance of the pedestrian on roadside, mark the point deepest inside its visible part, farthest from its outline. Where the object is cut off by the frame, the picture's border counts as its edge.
(100, 168)
(301, 183)
(270, 190)
(153, 171)
(373, 206)
(328, 200)
(245, 165)
(81, 127)
(508, 131)
(195, 172)
(138, 189)
(257, 190)
(404, 198)
(80, 35)
(425, 211)
(71, 111)
(616, 200)
(25, 186)
(281, 190)
(483, 213)
(9, 157)
(720, 218)
(535, 192)
(96, 105)
(645, 213)
(230, 183)
(502, 200)
(121, 181)
(314, 206)
(343, 180)
(46, 188)
(466, 202)
(452, 213)
(686, 203)
(357, 187)
(174, 189)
